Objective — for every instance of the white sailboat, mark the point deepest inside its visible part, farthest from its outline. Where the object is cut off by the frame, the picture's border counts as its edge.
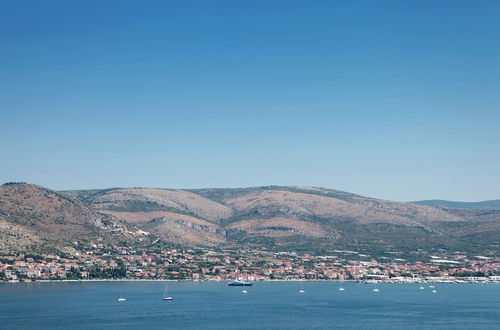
(166, 297)
(301, 288)
(121, 298)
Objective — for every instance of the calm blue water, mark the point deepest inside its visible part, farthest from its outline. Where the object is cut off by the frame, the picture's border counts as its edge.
(268, 305)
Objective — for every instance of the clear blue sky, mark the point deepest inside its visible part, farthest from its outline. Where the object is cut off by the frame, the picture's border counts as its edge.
(391, 99)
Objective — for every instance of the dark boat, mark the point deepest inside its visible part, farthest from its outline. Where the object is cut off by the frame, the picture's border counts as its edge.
(239, 283)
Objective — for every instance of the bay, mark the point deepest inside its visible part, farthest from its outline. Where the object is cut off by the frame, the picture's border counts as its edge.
(266, 305)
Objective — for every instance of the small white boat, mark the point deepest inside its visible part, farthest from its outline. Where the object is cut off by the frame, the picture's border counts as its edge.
(301, 290)
(121, 298)
(166, 297)
(244, 291)
(431, 286)
(421, 288)
(434, 291)
(375, 290)
(341, 289)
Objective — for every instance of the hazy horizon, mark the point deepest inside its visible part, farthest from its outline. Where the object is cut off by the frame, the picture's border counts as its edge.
(387, 99)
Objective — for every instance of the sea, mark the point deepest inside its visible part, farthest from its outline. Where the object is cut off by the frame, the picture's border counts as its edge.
(266, 305)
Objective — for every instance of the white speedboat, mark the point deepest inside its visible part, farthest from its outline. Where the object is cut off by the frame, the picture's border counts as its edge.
(341, 289)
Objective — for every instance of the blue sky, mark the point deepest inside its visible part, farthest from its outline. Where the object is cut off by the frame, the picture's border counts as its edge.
(391, 99)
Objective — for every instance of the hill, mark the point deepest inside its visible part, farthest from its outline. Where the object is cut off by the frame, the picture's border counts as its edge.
(36, 219)
(484, 205)
(296, 218)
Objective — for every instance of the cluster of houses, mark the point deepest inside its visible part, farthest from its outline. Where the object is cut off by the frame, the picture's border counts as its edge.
(96, 262)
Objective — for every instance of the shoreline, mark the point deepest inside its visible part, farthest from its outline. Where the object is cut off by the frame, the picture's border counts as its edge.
(332, 281)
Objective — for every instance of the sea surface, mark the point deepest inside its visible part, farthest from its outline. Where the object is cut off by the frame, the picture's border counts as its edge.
(267, 305)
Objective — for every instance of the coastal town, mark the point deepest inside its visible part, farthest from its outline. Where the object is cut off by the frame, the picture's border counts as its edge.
(98, 262)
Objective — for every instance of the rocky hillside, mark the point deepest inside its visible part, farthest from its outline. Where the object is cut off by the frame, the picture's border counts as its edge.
(297, 218)
(34, 219)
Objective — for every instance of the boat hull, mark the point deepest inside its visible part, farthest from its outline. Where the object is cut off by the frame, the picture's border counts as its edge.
(239, 284)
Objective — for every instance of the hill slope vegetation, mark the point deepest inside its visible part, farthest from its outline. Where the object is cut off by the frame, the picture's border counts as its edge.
(35, 219)
(296, 218)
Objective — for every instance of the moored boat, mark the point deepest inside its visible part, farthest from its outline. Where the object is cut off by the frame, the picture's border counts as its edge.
(239, 283)
(121, 298)
(166, 297)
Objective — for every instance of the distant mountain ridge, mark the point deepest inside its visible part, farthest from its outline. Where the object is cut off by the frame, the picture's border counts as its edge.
(484, 205)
